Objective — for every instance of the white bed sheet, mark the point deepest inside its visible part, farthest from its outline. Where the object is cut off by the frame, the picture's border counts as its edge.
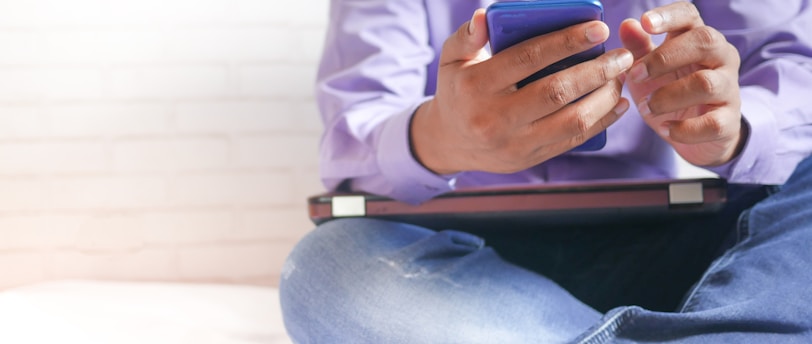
(94, 312)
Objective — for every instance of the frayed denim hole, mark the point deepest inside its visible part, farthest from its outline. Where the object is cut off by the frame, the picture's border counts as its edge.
(466, 239)
(434, 253)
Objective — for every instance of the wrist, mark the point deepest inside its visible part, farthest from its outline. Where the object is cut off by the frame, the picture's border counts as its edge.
(744, 133)
(425, 144)
(737, 147)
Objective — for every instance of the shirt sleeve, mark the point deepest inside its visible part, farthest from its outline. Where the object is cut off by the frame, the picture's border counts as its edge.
(371, 79)
(775, 81)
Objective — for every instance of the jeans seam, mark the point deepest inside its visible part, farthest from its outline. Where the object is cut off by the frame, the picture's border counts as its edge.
(743, 227)
(611, 327)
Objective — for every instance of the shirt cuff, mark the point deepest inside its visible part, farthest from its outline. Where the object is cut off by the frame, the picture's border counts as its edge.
(410, 181)
(756, 164)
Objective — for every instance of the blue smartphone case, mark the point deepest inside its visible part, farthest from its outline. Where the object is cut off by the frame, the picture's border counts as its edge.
(511, 22)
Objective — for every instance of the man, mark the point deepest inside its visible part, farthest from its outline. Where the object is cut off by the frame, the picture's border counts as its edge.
(414, 109)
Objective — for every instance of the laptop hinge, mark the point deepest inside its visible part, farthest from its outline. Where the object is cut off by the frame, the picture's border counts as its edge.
(349, 206)
(685, 193)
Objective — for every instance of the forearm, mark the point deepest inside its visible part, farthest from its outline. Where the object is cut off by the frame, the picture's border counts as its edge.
(371, 79)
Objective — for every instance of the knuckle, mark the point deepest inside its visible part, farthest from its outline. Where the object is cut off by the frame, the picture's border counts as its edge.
(559, 90)
(732, 49)
(734, 53)
(528, 56)
(577, 139)
(659, 58)
(450, 47)
(581, 120)
(706, 82)
(707, 38)
(571, 43)
(714, 128)
(607, 72)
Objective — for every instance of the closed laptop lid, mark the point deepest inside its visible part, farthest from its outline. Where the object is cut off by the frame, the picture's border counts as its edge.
(572, 203)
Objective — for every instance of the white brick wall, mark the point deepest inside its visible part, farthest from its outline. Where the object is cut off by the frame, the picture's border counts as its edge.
(156, 139)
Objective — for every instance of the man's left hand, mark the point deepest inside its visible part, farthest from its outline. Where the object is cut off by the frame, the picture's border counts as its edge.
(686, 89)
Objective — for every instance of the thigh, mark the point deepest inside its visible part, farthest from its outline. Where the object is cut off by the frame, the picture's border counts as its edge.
(370, 281)
(758, 291)
(771, 258)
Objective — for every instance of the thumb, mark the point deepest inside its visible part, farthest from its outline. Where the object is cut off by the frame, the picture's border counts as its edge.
(467, 42)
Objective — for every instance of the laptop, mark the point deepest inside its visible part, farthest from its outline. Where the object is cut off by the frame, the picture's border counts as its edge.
(555, 204)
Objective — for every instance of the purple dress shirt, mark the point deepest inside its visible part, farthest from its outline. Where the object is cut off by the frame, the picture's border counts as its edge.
(380, 64)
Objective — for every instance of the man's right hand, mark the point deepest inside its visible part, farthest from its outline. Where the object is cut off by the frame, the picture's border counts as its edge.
(479, 121)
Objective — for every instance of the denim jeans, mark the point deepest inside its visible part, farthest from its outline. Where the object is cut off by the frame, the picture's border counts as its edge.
(740, 276)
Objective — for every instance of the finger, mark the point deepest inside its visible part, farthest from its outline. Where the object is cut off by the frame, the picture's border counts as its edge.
(579, 121)
(703, 46)
(676, 17)
(635, 38)
(716, 125)
(704, 87)
(558, 90)
(467, 42)
(522, 60)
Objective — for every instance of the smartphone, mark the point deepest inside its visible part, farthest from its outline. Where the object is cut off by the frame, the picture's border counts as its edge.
(511, 22)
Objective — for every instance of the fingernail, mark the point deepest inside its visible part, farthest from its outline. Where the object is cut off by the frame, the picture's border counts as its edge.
(643, 108)
(665, 131)
(656, 20)
(595, 34)
(621, 108)
(625, 61)
(471, 25)
(639, 72)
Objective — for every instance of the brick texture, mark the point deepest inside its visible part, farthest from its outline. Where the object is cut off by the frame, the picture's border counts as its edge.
(170, 140)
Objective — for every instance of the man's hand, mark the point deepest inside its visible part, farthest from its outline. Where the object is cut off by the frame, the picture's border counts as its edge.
(478, 119)
(686, 89)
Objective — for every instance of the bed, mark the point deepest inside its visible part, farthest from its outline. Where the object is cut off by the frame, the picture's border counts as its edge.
(95, 312)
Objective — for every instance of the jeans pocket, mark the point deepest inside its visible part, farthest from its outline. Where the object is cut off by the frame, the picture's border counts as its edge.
(743, 227)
